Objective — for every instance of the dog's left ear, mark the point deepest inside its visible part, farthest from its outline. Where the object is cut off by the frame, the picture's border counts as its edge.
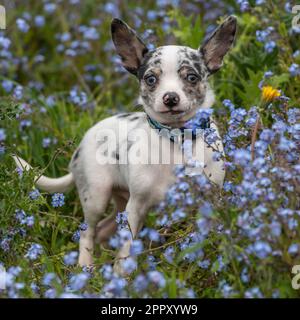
(128, 45)
(218, 43)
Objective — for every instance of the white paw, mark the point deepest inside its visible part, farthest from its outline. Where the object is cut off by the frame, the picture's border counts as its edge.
(85, 259)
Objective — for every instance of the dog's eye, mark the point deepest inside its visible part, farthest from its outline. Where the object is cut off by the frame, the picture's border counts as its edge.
(192, 78)
(151, 80)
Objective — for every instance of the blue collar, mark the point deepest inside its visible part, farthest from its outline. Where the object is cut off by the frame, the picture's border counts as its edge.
(176, 134)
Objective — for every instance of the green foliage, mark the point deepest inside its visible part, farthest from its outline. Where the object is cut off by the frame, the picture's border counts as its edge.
(188, 30)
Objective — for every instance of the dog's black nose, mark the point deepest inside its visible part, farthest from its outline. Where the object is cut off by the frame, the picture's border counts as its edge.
(171, 99)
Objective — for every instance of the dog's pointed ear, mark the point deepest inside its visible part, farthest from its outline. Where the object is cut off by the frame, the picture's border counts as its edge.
(218, 43)
(128, 45)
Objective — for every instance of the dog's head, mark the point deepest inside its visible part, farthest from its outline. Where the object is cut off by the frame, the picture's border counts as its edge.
(173, 79)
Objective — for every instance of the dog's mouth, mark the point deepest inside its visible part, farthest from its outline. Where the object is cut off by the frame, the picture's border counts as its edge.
(174, 112)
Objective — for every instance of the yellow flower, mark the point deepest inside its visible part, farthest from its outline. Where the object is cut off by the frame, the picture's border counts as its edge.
(269, 93)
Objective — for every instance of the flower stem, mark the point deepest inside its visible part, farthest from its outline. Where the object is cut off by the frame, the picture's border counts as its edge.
(254, 135)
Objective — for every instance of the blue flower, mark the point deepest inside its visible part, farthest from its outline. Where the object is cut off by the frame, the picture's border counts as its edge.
(34, 251)
(69, 295)
(122, 219)
(293, 249)
(292, 224)
(112, 9)
(83, 226)
(50, 7)
(5, 44)
(79, 98)
(270, 46)
(153, 235)
(98, 78)
(151, 262)
(296, 54)
(227, 103)
(39, 21)
(58, 200)
(275, 294)
(206, 209)
(78, 281)
(115, 286)
(183, 186)
(129, 265)
(285, 212)
(7, 85)
(136, 247)
(245, 276)
(71, 258)
(294, 70)
(22, 25)
(76, 236)
(262, 249)
(49, 279)
(169, 254)
(268, 74)
(220, 263)
(20, 215)
(204, 264)
(29, 221)
(5, 244)
(226, 289)
(163, 221)
(244, 5)
(34, 194)
(198, 120)
(18, 94)
(50, 101)
(267, 135)
(253, 293)
(279, 127)
(261, 35)
(91, 34)
(157, 278)
(152, 15)
(275, 228)
(50, 293)
(242, 157)
(107, 271)
(34, 287)
(15, 271)
(285, 144)
(140, 283)
(46, 142)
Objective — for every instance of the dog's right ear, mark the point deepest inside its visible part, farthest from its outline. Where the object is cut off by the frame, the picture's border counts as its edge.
(218, 44)
(128, 45)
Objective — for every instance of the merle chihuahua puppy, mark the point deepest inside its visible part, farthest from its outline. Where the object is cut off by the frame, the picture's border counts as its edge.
(173, 86)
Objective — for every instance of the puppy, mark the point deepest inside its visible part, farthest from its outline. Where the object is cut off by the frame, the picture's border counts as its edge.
(115, 160)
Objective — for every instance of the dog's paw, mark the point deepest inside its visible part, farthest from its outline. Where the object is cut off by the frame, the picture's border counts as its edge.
(85, 259)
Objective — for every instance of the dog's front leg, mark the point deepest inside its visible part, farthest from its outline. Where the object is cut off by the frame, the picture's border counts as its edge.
(137, 209)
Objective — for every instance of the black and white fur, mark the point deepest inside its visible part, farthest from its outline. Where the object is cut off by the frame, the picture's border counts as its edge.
(177, 89)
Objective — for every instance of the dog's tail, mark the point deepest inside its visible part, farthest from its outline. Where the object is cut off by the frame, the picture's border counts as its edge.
(50, 185)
